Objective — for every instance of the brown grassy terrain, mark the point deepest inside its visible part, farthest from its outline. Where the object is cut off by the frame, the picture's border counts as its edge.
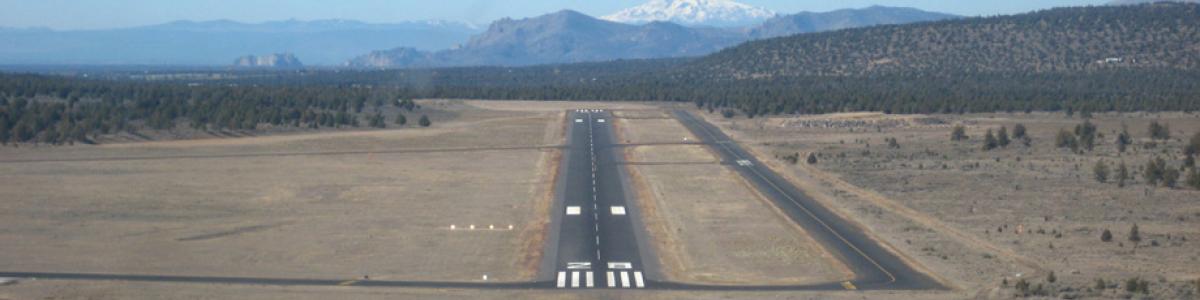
(977, 217)
(234, 208)
(707, 224)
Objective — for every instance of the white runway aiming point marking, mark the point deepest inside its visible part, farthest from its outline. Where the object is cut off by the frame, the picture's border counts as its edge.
(572, 210)
(618, 210)
(745, 163)
(579, 265)
(578, 120)
(620, 265)
(600, 120)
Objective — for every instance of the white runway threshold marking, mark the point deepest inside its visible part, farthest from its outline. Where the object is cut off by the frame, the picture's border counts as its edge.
(618, 210)
(637, 279)
(575, 279)
(562, 279)
(612, 282)
(590, 281)
(572, 210)
(624, 279)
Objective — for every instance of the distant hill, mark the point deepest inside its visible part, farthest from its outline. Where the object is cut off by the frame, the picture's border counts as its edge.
(1132, 2)
(806, 22)
(568, 37)
(1163, 35)
(323, 42)
(270, 61)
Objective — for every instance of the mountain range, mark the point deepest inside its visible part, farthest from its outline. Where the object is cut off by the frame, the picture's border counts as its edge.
(321, 42)
(569, 36)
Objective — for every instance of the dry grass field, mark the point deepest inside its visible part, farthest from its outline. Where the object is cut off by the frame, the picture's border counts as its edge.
(707, 224)
(979, 218)
(339, 204)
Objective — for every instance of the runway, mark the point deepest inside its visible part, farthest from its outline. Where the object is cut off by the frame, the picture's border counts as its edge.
(595, 245)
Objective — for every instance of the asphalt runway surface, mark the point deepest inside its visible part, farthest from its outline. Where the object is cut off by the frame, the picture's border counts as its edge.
(597, 239)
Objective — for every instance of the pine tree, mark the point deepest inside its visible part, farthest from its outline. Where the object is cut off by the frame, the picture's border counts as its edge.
(1106, 236)
(1134, 235)
(812, 158)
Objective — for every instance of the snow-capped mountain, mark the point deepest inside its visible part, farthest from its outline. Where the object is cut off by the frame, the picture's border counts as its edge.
(717, 13)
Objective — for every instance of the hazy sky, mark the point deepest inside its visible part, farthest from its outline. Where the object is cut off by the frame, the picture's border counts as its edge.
(92, 14)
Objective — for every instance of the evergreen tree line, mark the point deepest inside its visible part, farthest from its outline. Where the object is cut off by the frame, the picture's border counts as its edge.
(57, 110)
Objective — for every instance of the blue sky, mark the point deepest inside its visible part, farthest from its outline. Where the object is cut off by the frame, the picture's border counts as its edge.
(93, 14)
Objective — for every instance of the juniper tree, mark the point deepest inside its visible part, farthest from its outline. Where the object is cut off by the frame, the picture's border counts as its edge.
(1086, 133)
(1193, 178)
(1123, 139)
(1101, 171)
(959, 133)
(1170, 177)
(989, 141)
(1018, 131)
(401, 119)
(1065, 139)
(1002, 137)
(1134, 235)
(424, 122)
(1159, 131)
(1122, 174)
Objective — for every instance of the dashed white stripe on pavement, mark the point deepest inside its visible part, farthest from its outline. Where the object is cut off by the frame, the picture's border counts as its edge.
(562, 279)
(590, 282)
(575, 279)
(612, 282)
(624, 279)
(637, 279)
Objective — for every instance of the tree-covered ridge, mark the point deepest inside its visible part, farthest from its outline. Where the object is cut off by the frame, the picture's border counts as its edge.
(57, 110)
(1079, 39)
